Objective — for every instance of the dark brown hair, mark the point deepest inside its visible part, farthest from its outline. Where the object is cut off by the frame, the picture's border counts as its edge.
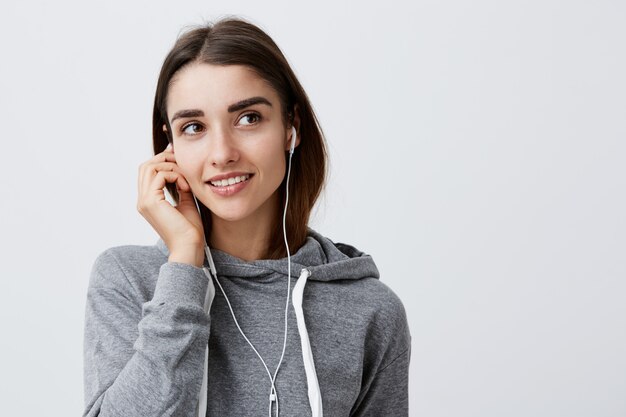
(233, 41)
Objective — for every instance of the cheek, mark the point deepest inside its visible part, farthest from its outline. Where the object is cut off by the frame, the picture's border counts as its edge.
(189, 164)
(274, 160)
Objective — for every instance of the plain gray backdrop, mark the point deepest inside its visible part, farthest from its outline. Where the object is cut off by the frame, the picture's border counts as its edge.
(477, 153)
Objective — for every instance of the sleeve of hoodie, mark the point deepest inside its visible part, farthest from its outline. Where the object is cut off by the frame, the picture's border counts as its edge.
(144, 358)
(385, 384)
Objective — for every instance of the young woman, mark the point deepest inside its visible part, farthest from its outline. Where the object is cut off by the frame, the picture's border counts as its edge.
(239, 309)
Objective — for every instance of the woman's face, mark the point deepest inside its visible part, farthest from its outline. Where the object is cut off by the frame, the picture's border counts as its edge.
(226, 120)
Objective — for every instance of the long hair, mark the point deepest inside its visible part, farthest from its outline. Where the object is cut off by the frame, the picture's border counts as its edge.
(233, 41)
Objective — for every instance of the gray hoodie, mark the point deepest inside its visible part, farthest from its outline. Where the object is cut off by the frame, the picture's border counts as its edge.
(146, 332)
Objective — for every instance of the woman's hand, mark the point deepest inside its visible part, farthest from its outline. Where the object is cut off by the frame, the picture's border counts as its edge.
(180, 227)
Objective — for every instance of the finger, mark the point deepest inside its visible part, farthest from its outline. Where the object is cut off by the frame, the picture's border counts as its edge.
(165, 166)
(163, 156)
(164, 177)
(187, 206)
(153, 192)
(185, 194)
(149, 170)
(185, 197)
(181, 182)
(183, 185)
(166, 154)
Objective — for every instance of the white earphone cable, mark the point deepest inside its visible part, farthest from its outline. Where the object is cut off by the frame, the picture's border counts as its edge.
(273, 392)
(288, 268)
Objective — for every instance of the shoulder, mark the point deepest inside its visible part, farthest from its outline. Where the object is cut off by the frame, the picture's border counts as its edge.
(388, 333)
(369, 307)
(127, 268)
(367, 316)
(385, 308)
(357, 291)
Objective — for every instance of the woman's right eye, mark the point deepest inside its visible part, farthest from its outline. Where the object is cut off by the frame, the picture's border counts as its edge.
(186, 129)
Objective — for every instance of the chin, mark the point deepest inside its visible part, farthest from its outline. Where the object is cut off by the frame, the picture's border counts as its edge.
(229, 216)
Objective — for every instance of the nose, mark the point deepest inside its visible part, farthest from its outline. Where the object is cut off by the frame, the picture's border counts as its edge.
(222, 148)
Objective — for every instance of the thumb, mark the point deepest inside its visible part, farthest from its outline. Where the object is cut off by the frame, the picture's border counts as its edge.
(188, 208)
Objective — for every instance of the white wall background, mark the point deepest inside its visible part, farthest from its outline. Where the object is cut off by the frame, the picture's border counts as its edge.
(478, 154)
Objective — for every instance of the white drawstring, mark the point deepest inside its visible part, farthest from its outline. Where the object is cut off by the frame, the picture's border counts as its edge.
(208, 300)
(315, 396)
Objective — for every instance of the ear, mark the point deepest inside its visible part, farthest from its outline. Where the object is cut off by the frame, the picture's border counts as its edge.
(169, 137)
(296, 124)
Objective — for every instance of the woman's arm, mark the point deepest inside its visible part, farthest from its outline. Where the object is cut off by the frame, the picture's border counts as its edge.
(385, 384)
(388, 392)
(144, 360)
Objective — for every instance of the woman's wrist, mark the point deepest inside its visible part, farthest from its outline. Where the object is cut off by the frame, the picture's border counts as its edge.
(187, 257)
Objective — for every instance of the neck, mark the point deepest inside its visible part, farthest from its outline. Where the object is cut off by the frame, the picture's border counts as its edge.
(248, 239)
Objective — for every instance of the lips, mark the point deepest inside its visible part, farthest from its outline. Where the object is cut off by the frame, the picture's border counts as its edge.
(228, 180)
(230, 189)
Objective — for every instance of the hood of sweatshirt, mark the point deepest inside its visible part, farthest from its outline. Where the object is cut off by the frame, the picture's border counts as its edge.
(325, 260)
(318, 259)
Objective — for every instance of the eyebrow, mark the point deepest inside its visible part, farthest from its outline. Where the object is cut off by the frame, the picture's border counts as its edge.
(187, 113)
(240, 105)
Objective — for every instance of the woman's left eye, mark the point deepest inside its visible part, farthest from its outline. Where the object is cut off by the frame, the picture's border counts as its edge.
(250, 118)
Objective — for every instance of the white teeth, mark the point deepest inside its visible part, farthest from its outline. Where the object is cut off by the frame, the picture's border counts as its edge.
(230, 181)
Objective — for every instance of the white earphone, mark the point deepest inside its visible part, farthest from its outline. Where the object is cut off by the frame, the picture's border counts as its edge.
(293, 139)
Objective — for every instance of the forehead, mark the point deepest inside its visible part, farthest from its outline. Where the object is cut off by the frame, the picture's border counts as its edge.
(214, 87)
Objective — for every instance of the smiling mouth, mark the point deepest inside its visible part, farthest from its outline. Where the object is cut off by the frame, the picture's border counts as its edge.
(231, 181)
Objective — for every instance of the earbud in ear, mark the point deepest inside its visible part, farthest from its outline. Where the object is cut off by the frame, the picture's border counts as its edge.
(293, 139)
